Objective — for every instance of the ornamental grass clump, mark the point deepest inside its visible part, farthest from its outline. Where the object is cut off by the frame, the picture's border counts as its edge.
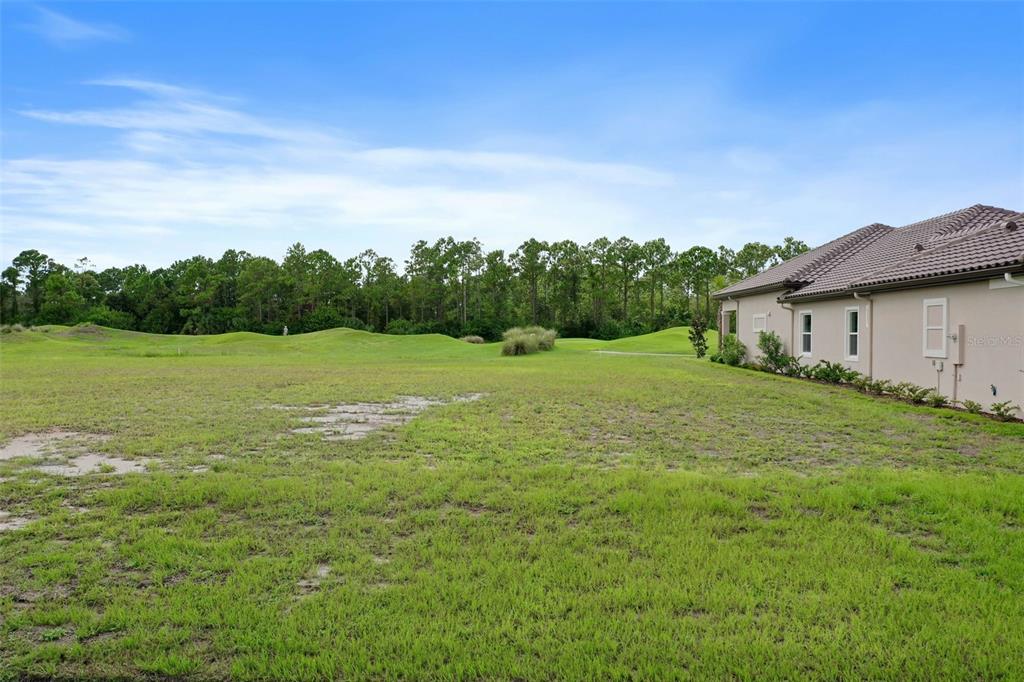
(523, 341)
(472, 338)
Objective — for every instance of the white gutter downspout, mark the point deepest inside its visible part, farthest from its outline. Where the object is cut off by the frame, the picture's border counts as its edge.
(871, 330)
(785, 305)
(1012, 280)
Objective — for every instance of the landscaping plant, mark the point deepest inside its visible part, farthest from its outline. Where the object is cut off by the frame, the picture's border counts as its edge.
(699, 335)
(1006, 411)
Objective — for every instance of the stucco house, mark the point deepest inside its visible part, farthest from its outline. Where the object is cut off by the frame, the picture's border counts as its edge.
(939, 303)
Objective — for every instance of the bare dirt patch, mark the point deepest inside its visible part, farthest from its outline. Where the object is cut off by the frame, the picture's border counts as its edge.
(354, 421)
(48, 443)
(312, 583)
(73, 448)
(91, 463)
(8, 522)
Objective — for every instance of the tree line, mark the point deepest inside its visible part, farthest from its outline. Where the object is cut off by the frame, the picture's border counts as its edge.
(604, 289)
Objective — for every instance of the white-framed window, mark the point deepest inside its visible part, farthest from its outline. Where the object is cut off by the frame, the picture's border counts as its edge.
(852, 333)
(935, 326)
(760, 323)
(805, 332)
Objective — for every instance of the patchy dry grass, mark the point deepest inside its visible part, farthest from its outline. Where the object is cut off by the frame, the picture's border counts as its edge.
(591, 516)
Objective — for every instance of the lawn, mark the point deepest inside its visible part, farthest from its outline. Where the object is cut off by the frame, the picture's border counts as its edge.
(675, 340)
(563, 515)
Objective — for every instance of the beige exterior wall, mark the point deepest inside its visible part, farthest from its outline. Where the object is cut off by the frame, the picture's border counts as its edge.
(828, 332)
(992, 348)
(776, 318)
(892, 335)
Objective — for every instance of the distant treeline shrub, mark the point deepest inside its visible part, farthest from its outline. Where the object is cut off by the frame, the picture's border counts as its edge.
(604, 289)
(526, 340)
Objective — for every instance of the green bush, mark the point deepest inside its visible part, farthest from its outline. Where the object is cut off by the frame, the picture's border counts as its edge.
(328, 318)
(520, 344)
(918, 394)
(545, 337)
(1004, 410)
(523, 341)
(105, 317)
(880, 387)
(902, 390)
(971, 406)
(833, 373)
(774, 357)
(862, 383)
(400, 327)
(733, 352)
(699, 335)
(936, 399)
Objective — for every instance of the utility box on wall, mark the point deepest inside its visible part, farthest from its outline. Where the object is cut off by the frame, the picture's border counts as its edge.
(959, 341)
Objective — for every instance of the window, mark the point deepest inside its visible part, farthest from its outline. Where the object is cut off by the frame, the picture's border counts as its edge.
(852, 333)
(805, 333)
(760, 323)
(935, 319)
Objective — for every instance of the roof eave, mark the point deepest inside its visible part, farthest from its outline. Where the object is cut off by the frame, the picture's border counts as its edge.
(949, 278)
(753, 291)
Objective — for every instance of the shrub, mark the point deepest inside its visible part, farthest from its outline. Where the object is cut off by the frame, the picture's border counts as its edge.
(902, 390)
(733, 352)
(105, 317)
(522, 341)
(774, 357)
(1004, 410)
(880, 386)
(400, 327)
(916, 394)
(545, 337)
(833, 372)
(862, 383)
(971, 406)
(520, 344)
(936, 399)
(472, 338)
(699, 335)
(328, 318)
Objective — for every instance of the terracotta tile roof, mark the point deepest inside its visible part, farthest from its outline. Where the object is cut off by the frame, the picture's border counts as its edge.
(901, 245)
(803, 268)
(961, 242)
(1000, 244)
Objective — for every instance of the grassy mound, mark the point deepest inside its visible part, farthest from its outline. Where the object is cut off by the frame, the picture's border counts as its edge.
(672, 340)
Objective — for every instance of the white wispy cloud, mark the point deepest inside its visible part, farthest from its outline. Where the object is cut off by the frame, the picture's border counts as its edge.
(188, 164)
(64, 31)
(182, 171)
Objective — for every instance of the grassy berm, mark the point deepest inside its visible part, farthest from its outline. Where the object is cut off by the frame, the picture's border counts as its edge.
(344, 505)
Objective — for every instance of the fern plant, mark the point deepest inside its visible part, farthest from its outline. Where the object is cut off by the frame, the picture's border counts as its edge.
(1004, 411)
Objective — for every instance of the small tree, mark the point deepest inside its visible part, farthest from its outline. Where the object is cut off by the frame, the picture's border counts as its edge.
(773, 355)
(698, 335)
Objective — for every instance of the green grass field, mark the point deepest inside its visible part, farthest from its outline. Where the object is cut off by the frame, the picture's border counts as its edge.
(592, 516)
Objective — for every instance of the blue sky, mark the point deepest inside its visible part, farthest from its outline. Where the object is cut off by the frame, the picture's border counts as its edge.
(148, 132)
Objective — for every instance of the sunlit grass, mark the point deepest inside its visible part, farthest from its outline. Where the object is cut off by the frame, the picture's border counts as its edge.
(593, 516)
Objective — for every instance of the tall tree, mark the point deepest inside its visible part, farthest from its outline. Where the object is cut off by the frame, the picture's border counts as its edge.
(34, 267)
(11, 279)
(530, 263)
